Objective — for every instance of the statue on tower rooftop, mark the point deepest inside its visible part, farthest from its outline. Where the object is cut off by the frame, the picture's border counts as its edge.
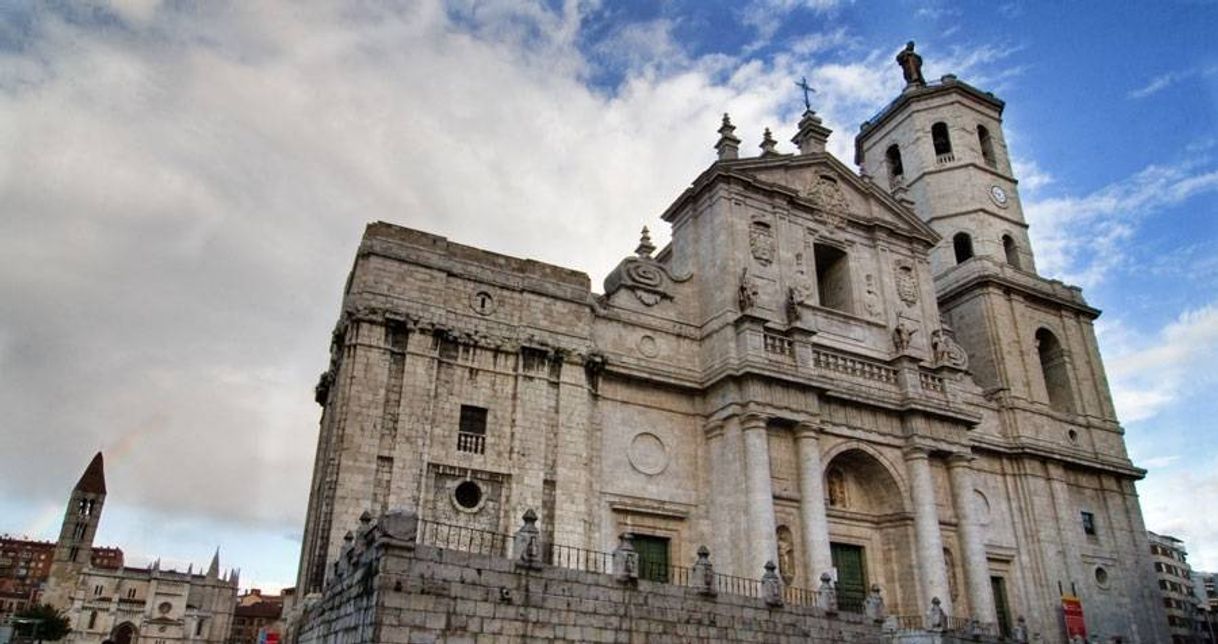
(911, 65)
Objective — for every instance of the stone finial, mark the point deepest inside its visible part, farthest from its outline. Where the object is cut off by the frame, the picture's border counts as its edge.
(645, 247)
(873, 606)
(936, 619)
(728, 145)
(527, 542)
(826, 595)
(626, 559)
(768, 143)
(771, 585)
(703, 577)
(365, 518)
(812, 135)
(400, 525)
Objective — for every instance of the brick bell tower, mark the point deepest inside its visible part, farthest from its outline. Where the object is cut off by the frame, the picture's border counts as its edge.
(74, 548)
(939, 148)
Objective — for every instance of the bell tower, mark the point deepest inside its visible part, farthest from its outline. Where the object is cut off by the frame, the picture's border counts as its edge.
(74, 548)
(939, 148)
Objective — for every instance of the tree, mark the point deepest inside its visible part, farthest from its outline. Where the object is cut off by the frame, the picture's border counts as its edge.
(42, 622)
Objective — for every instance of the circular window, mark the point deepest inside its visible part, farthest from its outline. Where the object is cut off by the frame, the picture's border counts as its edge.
(1073, 436)
(1101, 577)
(165, 607)
(468, 495)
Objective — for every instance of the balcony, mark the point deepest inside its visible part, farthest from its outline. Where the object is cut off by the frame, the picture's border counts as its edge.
(944, 159)
(471, 442)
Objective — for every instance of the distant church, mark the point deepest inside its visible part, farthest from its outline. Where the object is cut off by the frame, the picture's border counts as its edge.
(853, 373)
(127, 605)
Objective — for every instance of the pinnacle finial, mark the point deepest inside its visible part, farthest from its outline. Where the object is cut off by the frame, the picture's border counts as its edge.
(645, 247)
(728, 145)
(768, 143)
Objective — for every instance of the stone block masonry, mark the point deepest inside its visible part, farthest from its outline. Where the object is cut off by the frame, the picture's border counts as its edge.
(389, 588)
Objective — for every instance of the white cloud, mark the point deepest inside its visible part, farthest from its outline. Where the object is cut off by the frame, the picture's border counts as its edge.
(183, 199)
(1107, 217)
(1167, 496)
(766, 16)
(1148, 374)
(1163, 81)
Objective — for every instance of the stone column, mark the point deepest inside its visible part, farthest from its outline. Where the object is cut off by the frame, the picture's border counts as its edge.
(720, 477)
(932, 570)
(763, 544)
(976, 567)
(815, 525)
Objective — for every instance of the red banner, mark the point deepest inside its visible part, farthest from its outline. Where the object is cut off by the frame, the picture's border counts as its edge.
(1072, 610)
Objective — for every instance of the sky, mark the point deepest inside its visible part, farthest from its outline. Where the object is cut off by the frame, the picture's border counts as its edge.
(183, 187)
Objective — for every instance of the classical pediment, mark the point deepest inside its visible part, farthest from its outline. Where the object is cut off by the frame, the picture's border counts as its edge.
(818, 185)
(832, 194)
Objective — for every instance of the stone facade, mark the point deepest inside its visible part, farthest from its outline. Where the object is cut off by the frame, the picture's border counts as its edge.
(818, 370)
(125, 605)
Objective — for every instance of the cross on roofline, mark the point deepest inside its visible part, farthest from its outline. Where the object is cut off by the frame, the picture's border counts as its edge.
(803, 84)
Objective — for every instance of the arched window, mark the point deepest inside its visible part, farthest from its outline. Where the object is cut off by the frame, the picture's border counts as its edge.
(1011, 250)
(893, 156)
(833, 286)
(942, 141)
(1054, 370)
(987, 146)
(963, 245)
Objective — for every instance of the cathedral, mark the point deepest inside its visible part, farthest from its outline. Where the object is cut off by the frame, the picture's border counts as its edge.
(852, 373)
(124, 605)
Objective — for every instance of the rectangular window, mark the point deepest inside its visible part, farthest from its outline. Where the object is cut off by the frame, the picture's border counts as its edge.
(833, 287)
(130, 593)
(1089, 524)
(471, 433)
(97, 590)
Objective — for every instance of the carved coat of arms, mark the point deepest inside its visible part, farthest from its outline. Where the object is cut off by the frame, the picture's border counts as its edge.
(906, 281)
(761, 242)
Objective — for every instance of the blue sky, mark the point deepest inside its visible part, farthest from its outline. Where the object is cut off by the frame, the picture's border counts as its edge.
(182, 187)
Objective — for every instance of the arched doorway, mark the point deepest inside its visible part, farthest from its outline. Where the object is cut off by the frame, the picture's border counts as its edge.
(870, 529)
(124, 634)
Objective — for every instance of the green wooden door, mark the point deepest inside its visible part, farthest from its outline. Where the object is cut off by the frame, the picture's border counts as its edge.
(851, 575)
(653, 557)
(1000, 605)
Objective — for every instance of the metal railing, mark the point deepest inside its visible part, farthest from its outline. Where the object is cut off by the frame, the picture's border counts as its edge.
(945, 158)
(498, 544)
(464, 539)
(960, 625)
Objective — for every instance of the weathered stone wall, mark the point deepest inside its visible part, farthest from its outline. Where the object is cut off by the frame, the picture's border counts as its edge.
(396, 591)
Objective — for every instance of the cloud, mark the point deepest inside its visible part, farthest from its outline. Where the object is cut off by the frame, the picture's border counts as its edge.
(1147, 374)
(184, 191)
(1107, 217)
(1163, 81)
(766, 16)
(1164, 497)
